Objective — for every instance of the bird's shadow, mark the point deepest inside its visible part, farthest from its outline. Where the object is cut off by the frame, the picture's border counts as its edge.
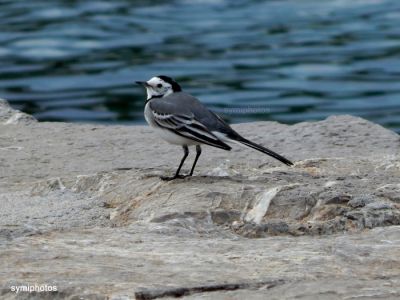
(195, 178)
(210, 179)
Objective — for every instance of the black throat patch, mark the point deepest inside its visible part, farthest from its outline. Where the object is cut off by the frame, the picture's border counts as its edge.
(153, 97)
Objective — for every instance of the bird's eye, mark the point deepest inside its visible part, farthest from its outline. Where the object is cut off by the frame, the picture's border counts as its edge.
(159, 85)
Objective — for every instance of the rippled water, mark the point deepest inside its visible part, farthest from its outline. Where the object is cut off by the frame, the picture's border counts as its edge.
(288, 61)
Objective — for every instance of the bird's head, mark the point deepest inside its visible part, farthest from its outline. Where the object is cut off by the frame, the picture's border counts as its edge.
(160, 86)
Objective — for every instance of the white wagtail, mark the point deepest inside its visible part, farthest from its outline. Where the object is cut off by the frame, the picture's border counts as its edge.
(183, 120)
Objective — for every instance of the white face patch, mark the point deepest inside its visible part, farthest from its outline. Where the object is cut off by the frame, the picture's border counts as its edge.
(158, 88)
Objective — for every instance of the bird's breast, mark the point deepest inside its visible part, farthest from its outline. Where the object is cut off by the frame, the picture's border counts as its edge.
(148, 115)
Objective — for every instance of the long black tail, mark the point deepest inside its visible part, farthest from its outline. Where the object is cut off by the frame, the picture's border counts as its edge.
(263, 150)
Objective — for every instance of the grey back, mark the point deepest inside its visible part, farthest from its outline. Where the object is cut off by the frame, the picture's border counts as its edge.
(181, 103)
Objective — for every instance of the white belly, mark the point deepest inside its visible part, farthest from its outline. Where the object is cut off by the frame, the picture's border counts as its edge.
(173, 138)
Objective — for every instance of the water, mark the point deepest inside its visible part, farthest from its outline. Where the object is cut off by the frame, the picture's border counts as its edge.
(287, 61)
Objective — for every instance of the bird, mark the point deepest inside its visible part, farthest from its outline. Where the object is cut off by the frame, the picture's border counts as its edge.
(181, 119)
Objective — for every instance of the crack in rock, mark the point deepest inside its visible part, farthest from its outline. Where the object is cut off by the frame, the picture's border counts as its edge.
(147, 294)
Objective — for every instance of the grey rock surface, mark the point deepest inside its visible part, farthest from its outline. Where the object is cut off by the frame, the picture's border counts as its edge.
(82, 207)
(9, 115)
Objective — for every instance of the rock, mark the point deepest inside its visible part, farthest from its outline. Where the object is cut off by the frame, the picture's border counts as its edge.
(9, 116)
(361, 201)
(390, 191)
(83, 208)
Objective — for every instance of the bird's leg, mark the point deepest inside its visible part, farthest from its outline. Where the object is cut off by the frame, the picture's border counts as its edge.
(186, 153)
(198, 152)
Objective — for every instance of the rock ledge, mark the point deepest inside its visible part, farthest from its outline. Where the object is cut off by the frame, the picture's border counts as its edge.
(83, 208)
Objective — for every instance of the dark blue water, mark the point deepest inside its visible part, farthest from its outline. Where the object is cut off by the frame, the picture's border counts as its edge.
(287, 61)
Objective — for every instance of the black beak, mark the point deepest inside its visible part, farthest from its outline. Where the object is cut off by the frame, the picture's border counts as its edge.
(144, 83)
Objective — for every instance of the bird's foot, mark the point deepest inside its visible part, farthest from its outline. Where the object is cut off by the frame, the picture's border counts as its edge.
(166, 178)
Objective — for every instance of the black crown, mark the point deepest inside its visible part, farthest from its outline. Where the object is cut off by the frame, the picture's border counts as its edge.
(175, 86)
